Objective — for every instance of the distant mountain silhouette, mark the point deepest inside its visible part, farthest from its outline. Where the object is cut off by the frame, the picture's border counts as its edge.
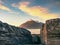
(31, 24)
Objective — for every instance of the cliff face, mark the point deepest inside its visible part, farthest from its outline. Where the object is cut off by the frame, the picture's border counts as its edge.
(51, 32)
(53, 26)
(11, 35)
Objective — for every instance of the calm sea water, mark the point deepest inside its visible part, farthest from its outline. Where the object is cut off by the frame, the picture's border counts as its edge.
(34, 31)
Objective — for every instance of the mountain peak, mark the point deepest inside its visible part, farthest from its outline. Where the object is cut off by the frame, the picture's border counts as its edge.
(31, 24)
(30, 20)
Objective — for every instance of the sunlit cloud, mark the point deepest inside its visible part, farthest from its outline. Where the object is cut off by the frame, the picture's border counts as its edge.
(2, 7)
(38, 11)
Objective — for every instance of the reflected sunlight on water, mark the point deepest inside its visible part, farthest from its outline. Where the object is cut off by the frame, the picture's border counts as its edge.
(34, 31)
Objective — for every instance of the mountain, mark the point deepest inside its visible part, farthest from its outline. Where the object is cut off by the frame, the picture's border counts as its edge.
(11, 35)
(31, 24)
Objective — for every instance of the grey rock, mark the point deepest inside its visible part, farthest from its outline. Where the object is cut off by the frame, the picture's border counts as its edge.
(11, 35)
(36, 39)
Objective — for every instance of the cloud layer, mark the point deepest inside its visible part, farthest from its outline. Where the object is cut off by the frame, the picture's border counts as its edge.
(38, 11)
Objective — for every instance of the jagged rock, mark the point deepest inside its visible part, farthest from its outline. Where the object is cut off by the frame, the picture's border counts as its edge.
(11, 35)
(50, 32)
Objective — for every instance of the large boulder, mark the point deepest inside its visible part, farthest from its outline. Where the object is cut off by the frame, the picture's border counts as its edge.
(11, 35)
(50, 32)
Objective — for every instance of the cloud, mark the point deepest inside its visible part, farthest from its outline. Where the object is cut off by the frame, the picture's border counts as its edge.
(38, 11)
(1, 2)
(15, 13)
(2, 7)
(20, 4)
(57, 4)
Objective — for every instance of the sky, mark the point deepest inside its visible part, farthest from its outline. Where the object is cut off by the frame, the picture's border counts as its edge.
(16, 12)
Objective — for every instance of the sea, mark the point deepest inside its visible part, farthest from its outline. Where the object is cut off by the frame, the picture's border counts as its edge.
(34, 31)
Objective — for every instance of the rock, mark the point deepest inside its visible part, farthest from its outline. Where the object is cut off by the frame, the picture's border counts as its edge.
(11, 35)
(50, 32)
(31, 24)
(36, 39)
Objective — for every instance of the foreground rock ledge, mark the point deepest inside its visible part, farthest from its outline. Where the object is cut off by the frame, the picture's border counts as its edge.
(11, 35)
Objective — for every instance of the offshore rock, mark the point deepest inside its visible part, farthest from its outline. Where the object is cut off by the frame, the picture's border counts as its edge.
(11, 35)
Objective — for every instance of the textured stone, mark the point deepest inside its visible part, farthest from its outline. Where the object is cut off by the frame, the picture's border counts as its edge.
(36, 39)
(11, 35)
(50, 32)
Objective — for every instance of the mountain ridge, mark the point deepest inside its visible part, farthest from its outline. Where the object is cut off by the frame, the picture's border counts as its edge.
(31, 24)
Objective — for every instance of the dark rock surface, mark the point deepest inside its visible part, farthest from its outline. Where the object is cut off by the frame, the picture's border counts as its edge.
(36, 39)
(50, 33)
(11, 35)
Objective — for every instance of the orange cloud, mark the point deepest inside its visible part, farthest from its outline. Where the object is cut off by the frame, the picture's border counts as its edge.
(38, 11)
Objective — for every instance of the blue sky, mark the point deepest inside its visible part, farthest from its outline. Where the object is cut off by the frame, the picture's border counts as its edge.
(16, 12)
